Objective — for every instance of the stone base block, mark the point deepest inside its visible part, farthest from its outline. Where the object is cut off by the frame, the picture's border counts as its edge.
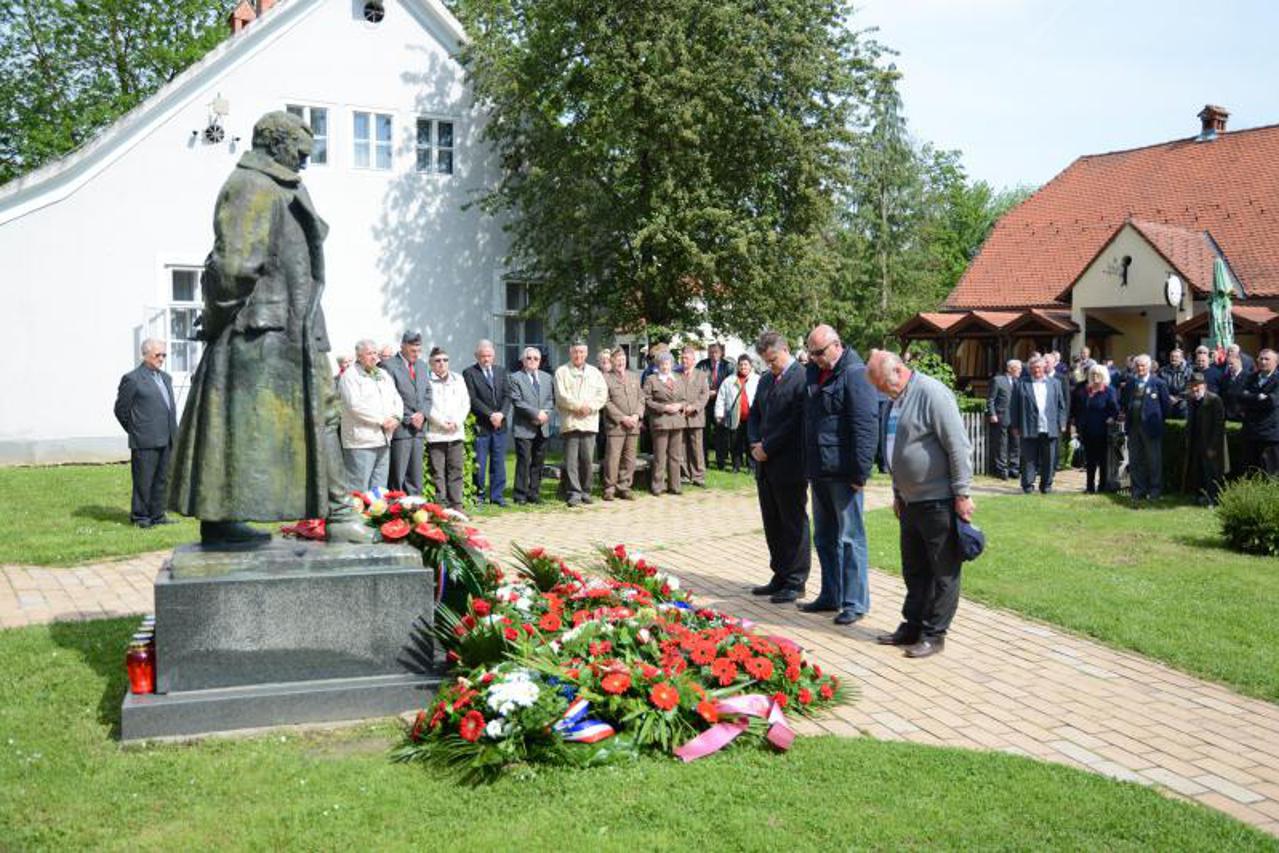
(201, 712)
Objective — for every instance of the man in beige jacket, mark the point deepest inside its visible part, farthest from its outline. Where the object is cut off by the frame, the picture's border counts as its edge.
(622, 416)
(696, 392)
(580, 393)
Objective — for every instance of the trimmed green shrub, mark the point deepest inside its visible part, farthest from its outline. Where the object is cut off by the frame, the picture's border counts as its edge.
(469, 497)
(1249, 514)
(971, 404)
(1174, 451)
(932, 364)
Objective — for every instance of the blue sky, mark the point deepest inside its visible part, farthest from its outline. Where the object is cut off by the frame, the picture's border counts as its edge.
(1023, 87)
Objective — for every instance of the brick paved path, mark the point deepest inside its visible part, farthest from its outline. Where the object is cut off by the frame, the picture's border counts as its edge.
(1003, 683)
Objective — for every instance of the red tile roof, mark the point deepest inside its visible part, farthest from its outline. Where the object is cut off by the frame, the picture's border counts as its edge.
(1228, 187)
(1247, 318)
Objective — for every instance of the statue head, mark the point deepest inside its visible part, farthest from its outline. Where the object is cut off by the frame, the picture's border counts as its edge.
(284, 138)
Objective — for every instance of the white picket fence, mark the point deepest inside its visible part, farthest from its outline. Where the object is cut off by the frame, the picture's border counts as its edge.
(979, 437)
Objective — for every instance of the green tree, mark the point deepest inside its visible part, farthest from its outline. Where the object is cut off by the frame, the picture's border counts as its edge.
(671, 161)
(70, 67)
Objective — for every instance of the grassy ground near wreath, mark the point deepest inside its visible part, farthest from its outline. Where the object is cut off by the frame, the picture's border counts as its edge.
(69, 514)
(68, 784)
(1158, 580)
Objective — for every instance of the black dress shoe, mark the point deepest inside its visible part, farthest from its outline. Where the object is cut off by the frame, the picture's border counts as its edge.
(143, 524)
(848, 617)
(766, 589)
(817, 607)
(785, 596)
(164, 519)
(900, 637)
(587, 499)
(926, 647)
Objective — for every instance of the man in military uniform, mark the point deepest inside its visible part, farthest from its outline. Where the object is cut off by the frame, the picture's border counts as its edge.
(259, 436)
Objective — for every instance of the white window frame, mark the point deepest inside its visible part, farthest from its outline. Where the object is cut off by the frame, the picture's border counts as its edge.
(192, 347)
(505, 313)
(372, 144)
(432, 148)
(306, 112)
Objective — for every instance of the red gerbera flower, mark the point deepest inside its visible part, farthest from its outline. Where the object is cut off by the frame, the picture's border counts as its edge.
(599, 648)
(438, 716)
(724, 670)
(706, 709)
(649, 671)
(760, 668)
(471, 727)
(619, 551)
(805, 696)
(703, 653)
(739, 653)
(781, 699)
(616, 682)
(664, 696)
(481, 607)
(792, 672)
(416, 732)
(510, 633)
(549, 622)
(826, 691)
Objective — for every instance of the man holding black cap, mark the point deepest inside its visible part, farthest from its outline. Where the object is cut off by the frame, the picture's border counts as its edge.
(412, 380)
(931, 463)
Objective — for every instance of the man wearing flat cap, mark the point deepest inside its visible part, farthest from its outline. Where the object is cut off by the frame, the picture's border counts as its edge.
(412, 380)
(1206, 457)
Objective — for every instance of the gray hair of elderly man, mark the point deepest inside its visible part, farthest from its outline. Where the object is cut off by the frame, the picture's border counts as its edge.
(1013, 364)
(1142, 359)
(150, 345)
(531, 351)
(771, 340)
(483, 344)
(365, 345)
(1099, 371)
(663, 357)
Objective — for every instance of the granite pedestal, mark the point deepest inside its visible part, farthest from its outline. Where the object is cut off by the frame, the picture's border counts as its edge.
(291, 632)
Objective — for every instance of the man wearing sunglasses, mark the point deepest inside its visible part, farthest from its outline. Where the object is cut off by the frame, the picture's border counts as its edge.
(145, 407)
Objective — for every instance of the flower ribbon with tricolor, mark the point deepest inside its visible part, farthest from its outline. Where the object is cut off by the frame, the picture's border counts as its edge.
(576, 728)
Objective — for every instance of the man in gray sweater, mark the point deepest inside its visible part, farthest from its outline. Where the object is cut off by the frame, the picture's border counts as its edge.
(930, 459)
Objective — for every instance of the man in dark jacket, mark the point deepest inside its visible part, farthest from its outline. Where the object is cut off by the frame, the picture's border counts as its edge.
(1038, 413)
(145, 407)
(491, 404)
(999, 412)
(775, 430)
(841, 434)
(1206, 456)
(413, 381)
(1143, 407)
(717, 370)
(1260, 407)
(1176, 375)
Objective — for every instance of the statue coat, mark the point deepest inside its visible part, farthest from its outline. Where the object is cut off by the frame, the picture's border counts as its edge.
(258, 434)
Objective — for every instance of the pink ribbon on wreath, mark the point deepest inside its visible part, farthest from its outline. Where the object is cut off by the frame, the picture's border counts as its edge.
(723, 733)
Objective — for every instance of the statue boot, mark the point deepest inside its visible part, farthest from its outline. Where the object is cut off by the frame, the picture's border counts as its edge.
(231, 534)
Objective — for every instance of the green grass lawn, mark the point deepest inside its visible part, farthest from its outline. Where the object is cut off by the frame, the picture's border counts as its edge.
(67, 784)
(1157, 580)
(69, 514)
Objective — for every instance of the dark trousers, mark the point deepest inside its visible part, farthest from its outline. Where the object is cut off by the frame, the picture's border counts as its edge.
(490, 459)
(447, 459)
(930, 566)
(1260, 456)
(150, 467)
(1145, 463)
(783, 505)
(1004, 451)
(1095, 451)
(579, 456)
(530, 453)
(406, 464)
(1038, 459)
(711, 439)
(737, 447)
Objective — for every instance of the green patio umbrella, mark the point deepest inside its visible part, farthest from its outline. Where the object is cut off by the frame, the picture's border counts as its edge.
(1222, 330)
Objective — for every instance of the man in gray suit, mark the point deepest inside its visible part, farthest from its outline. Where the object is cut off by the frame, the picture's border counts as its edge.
(145, 407)
(1038, 413)
(998, 405)
(532, 399)
(413, 381)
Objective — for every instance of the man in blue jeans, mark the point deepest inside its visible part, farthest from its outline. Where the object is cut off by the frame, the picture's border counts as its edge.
(841, 434)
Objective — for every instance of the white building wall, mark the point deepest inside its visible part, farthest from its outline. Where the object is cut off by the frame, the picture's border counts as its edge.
(78, 273)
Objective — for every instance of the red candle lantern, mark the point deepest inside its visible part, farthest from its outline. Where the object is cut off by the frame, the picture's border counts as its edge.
(139, 663)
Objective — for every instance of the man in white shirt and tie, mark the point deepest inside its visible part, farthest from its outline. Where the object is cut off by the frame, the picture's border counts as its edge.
(1038, 415)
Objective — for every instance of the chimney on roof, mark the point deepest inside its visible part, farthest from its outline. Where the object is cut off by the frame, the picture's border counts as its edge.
(241, 16)
(1212, 122)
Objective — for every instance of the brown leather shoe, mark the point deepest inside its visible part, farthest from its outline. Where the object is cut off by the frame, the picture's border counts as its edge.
(898, 638)
(926, 647)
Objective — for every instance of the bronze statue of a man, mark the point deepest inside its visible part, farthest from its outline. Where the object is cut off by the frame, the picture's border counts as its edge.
(258, 440)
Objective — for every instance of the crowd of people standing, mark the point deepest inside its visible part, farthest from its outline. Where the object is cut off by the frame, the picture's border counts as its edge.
(1035, 410)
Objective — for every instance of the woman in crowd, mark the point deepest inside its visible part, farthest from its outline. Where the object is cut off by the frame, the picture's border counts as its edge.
(450, 404)
(1093, 409)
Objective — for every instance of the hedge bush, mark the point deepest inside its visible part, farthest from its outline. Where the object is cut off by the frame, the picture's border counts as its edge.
(1174, 451)
(1249, 514)
(469, 496)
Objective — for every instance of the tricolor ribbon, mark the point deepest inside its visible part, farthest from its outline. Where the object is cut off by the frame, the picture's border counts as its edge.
(723, 733)
(575, 727)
